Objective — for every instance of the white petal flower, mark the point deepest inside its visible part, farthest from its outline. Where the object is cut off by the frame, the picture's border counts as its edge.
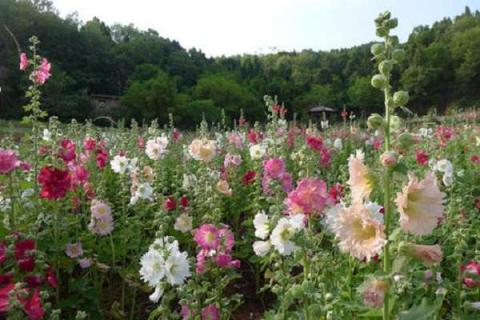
(281, 237)
(261, 248)
(257, 151)
(261, 224)
(157, 294)
(156, 148)
(177, 268)
(153, 268)
(183, 223)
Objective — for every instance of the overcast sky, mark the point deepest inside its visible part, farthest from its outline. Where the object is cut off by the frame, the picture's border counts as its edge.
(227, 27)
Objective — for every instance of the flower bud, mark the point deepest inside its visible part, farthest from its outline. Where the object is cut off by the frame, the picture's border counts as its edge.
(398, 55)
(391, 23)
(427, 254)
(385, 67)
(395, 123)
(377, 49)
(400, 98)
(375, 121)
(379, 81)
(388, 159)
(381, 32)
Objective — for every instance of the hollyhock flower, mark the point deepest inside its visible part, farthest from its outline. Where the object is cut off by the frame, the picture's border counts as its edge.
(225, 260)
(142, 191)
(156, 147)
(471, 268)
(427, 254)
(261, 248)
(235, 139)
(176, 135)
(253, 137)
(207, 236)
(23, 61)
(223, 187)
(183, 223)
(100, 210)
(42, 74)
(177, 268)
(249, 177)
(232, 160)
(444, 134)
(226, 239)
(274, 167)
(377, 143)
(202, 150)
(257, 151)
(6, 278)
(324, 157)
(157, 294)
(201, 261)
(373, 292)
(261, 224)
(8, 161)
(475, 159)
(359, 181)
(358, 231)
(282, 234)
(3, 253)
(101, 158)
(310, 197)
(388, 159)
(336, 192)
(23, 254)
(210, 312)
(421, 157)
(74, 250)
(4, 297)
(170, 204)
(55, 183)
(420, 205)
(121, 164)
(287, 182)
(67, 151)
(152, 268)
(51, 278)
(33, 281)
(102, 226)
(85, 263)
(79, 174)
(315, 143)
(24, 166)
(89, 144)
(184, 201)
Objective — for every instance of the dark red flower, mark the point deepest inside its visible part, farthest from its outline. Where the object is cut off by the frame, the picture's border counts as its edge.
(33, 306)
(336, 192)
(6, 278)
(67, 150)
(176, 135)
(170, 204)
(249, 177)
(101, 158)
(3, 252)
(315, 143)
(253, 136)
(475, 159)
(184, 201)
(89, 144)
(4, 299)
(33, 281)
(55, 183)
(51, 278)
(25, 260)
(421, 157)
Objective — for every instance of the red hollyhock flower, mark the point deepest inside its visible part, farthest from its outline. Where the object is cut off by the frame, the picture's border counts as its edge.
(51, 278)
(4, 300)
(421, 157)
(336, 192)
(315, 143)
(67, 152)
(6, 278)
(25, 261)
(176, 135)
(3, 253)
(249, 177)
(475, 159)
(33, 306)
(184, 201)
(101, 158)
(253, 136)
(472, 268)
(55, 183)
(33, 281)
(170, 204)
(89, 144)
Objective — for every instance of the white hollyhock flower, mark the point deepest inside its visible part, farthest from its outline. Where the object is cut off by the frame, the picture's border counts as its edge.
(261, 248)
(375, 209)
(324, 124)
(153, 268)
(283, 233)
(177, 268)
(447, 180)
(444, 166)
(119, 164)
(144, 191)
(156, 148)
(157, 294)
(47, 135)
(337, 144)
(257, 151)
(183, 223)
(260, 222)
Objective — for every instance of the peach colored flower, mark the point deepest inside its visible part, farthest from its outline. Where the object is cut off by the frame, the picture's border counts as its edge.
(223, 187)
(202, 150)
(420, 205)
(358, 231)
(359, 182)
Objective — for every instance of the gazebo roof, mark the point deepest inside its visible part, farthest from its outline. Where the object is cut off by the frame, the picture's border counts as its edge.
(320, 108)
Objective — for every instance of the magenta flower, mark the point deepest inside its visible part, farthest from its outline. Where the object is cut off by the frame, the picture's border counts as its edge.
(23, 61)
(210, 312)
(274, 167)
(8, 161)
(42, 74)
(207, 237)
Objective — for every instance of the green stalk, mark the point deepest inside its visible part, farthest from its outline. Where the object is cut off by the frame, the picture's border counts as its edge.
(12, 203)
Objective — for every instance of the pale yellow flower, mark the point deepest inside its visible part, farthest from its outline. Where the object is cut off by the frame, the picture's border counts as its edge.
(420, 205)
(223, 187)
(202, 150)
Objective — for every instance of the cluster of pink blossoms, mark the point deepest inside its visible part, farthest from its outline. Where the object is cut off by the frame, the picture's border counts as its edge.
(9, 162)
(310, 197)
(216, 245)
(316, 144)
(274, 169)
(209, 312)
(41, 74)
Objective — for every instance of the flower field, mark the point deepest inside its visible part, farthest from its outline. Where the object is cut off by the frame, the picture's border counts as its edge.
(364, 219)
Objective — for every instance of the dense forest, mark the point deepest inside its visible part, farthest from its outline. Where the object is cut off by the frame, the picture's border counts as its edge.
(154, 76)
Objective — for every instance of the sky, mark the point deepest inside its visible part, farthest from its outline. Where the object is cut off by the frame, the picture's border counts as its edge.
(229, 27)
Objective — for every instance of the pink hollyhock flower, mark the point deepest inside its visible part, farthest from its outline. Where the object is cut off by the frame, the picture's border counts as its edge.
(374, 293)
(231, 159)
(471, 268)
(225, 260)
(42, 74)
(67, 151)
(79, 174)
(8, 161)
(310, 197)
(23, 61)
(287, 182)
(74, 250)
(101, 158)
(274, 167)
(23, 254)
(201, 261)
(444, 135)
(226, 239)
(421, 157)
(377, 143)
(186, 313)
(249, 177)
(336, 192)
(4, 297)
(427, 254)
(253, 137)
(24, 166)
(102, 226)
(420, 205)
(210, 312)
(89, 144)
(324, 157)
(235, 139)
(54, 182)
(315, 143)
(266, 179)
(33, 306)
(207, 237)
(170, 204)
(85, 263)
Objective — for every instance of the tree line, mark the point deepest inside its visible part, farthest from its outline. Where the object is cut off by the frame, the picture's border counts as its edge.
(155, 76)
